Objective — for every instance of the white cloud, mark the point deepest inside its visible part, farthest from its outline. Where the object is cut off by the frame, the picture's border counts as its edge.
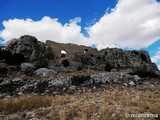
(132, 23)
(45, 29)
(159, 67)
(156, 58)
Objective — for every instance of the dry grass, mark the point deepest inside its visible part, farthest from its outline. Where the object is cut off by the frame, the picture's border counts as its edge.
(106, 105)
(24, 103)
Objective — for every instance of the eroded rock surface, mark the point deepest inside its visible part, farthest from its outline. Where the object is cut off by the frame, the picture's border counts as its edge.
(44, 72)
(65, 84)
(26, 55)
(32, 50)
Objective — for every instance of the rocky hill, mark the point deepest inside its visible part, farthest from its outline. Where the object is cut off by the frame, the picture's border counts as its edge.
(27, 54)
(31, 67)
(30, 57)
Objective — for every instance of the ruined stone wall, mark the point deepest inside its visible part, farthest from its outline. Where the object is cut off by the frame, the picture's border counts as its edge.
(71, 49)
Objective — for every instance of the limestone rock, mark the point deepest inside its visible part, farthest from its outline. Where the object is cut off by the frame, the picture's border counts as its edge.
(31, 49)
(44, 72)
(109, 59)
(131, 83)
(27, 67)
(62, 57)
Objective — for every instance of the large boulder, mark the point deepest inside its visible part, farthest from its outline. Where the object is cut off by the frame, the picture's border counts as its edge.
(25, 45)
(27, 67)
(33, 50)
(44, 72)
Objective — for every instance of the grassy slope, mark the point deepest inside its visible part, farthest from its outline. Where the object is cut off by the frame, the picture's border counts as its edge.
(110, 104)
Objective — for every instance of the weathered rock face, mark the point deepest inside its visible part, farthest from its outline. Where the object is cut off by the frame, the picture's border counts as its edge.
(137, 62)
(31, 49)
(21, 53)
(53, 67)
(27, 68)
(44, 72)
(65, 84)
(69, 49)
(24, 45)
(70, 57)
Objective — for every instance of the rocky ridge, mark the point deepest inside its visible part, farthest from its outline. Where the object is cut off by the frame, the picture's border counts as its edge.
(67, 84)
(44, 62)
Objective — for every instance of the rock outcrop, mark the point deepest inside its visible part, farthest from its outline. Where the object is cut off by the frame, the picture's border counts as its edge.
(67, 84)
(27, 68)
(44, 72)
(109, 59)
(53, 68)
(32, 50)
(69, 49)
(26, 54)
(136, 62)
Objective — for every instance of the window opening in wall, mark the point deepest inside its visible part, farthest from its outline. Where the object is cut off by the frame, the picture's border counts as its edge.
(86, 50)
(63, 53)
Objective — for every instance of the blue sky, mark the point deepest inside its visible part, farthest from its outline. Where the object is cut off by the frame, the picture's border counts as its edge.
(107, 23)
(89, 10)
(64, 10)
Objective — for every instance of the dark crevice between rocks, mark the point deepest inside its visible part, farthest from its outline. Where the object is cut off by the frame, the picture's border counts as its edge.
(65, 63)
(108, 67)
(99, 57)
(136, 52)
(63, 55)
(5, 54)
(78, 80)
(105, 53)
(12, 59)
(79, 68)
(49, 54)
(16, 59)
(8, 88)
(91, 55)
(145, 74)
(41, 87)
(3, 70)
(144, 58)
